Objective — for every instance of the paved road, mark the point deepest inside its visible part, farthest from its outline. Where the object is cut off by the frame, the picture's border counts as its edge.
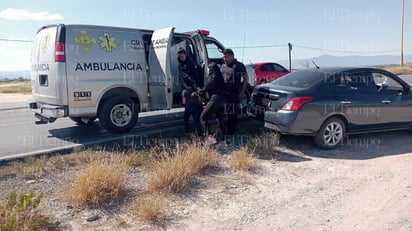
(407, 78)
(19, 136)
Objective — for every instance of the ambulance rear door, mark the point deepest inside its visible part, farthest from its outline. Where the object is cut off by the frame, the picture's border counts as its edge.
(161, 79)
(48, 66)
(201, 50)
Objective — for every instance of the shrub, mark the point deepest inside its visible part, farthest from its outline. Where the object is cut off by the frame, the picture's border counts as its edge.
(21, 212)
(151, 208)
(243, 159)
(98, 183)
(173, 171)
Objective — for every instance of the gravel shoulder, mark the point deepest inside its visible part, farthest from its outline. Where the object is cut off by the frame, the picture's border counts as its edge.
(363, 185)
(352, 188)
(316, 194)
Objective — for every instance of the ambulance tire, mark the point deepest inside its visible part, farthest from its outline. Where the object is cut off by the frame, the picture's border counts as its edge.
(118, 114)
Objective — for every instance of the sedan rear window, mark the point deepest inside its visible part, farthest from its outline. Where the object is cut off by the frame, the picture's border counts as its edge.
(301, 79)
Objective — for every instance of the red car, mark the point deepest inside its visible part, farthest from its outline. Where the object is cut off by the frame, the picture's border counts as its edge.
(267, 72)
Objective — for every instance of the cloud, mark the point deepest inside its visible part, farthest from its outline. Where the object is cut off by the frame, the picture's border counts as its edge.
(23, 14)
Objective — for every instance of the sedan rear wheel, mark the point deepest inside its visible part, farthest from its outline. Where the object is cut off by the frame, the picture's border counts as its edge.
(331, 134)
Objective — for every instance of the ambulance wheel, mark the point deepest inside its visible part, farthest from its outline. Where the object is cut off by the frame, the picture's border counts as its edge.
(82, 120)
(118, 114)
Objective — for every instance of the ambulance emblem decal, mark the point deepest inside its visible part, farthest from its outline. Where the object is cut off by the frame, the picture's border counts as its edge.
(107, 42)
(85, 40)
(45, 42)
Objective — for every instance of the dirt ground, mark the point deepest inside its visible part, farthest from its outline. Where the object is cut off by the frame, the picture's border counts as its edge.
(12, 98)
(363, 185)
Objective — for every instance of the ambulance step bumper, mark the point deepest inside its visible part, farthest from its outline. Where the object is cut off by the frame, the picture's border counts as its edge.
(43, 119)
(47, 113)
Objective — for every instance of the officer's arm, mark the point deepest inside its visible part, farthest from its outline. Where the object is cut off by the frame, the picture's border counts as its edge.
(245, 80)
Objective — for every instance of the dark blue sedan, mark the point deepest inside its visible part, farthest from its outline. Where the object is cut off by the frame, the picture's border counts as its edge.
(330, 103)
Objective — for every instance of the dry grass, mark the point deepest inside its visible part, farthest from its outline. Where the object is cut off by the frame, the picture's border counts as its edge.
(34, 167)
(151, 208)
(16, 87)
(242, 159)
(396, 69)
(37, 167)
(101, 181)
(265, 144)
(80, 157)
(174, 169)
(139, 158)
(169, 170)
(27, 170)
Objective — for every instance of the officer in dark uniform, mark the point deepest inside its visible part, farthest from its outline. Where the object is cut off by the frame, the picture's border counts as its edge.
(214, 86)
(189, 73)
(189, 76)
(233, 71)
(193, 108)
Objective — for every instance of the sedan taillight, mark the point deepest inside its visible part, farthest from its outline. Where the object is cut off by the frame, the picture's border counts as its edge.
(296, 103)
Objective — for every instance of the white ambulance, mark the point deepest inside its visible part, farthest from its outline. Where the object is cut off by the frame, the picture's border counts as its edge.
(89, 72)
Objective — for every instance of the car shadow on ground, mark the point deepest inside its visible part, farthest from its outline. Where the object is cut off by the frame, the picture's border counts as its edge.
(357, 147)
(288, 148)
(141, 136)
(78, 132)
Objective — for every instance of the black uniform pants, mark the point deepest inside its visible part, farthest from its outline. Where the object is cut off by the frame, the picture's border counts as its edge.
(232, 111)
(215, 106)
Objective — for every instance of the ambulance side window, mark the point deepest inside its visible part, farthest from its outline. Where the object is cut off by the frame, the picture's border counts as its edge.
(214, 51)
(187, 45)
(199, 49)
(190, 51)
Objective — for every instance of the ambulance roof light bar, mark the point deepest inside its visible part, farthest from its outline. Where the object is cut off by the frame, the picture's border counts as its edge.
(202, 32)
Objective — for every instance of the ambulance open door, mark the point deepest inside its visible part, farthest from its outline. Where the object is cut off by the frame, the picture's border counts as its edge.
(160, 75)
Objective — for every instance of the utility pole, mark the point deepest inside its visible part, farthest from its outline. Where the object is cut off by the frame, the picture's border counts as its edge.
(402, 26)
(290, 56)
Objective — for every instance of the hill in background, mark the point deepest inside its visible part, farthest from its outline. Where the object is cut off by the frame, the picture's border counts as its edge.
(353, 60)
(14, 74)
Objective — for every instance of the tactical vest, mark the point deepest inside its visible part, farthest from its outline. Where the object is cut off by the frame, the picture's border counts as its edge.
(188, 72)
(231, 77)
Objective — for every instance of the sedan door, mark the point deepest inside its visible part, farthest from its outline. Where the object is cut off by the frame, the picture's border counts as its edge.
(358, 101)
(395, 100)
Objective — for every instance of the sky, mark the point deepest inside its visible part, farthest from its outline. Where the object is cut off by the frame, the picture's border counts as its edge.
(256, 30)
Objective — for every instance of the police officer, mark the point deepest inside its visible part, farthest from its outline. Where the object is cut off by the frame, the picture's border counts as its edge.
(214, 86)
(189, 73)
(233, 71)
(190, 80)
(193, 108)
